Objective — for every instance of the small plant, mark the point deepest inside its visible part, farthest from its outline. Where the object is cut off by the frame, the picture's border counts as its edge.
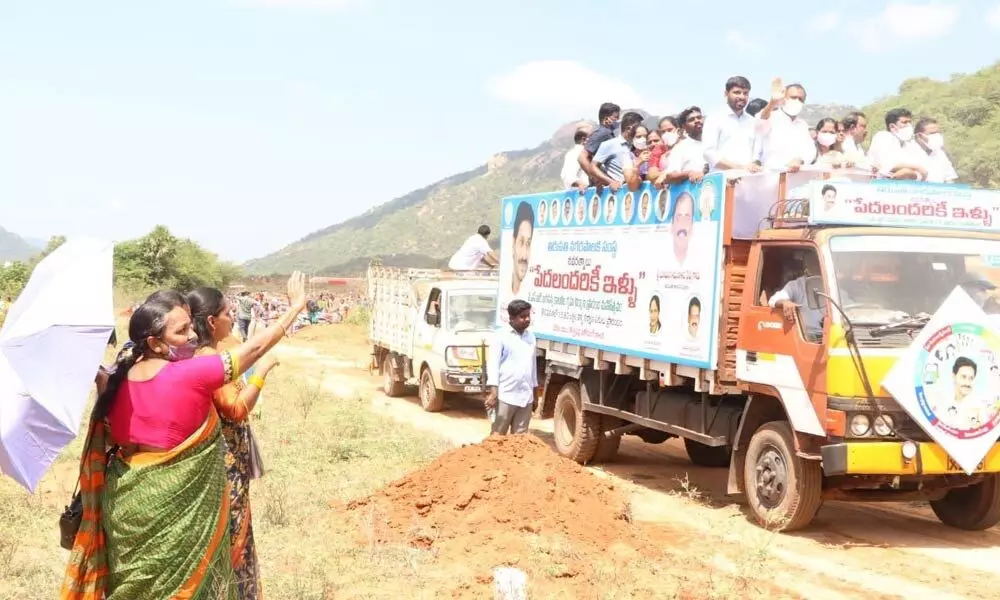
(275, 503)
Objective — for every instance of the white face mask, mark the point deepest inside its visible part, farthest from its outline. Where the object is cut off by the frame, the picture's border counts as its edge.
(639, 143)
(905, 134)
(670, 138)
(792, 108)
(935, 141)
(826, 139)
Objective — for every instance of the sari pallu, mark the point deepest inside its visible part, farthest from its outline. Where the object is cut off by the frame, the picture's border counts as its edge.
(155, 524)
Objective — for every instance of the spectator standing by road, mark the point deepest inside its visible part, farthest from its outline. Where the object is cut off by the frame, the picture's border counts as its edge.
(512, 375)
(244, 313)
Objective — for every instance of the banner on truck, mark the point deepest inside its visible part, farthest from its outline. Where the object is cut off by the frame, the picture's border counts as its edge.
(904, 204)
(948, 380)
(632, 272)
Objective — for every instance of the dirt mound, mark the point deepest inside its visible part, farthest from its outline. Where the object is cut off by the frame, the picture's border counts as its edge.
(509, 501)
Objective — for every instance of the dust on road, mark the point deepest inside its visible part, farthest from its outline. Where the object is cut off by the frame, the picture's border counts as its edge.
(851, 550)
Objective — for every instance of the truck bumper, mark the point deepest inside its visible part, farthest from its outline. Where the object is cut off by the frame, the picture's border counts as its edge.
(887, 458)
(462, 382)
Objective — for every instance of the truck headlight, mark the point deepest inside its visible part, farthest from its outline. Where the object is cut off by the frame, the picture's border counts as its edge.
(455, 354)
(860, 425)
(884, 426)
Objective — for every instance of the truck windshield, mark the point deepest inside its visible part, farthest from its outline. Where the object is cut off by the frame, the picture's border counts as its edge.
(881, 279)
(471, 310)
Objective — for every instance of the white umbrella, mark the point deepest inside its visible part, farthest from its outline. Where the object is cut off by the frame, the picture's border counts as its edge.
(51, 345)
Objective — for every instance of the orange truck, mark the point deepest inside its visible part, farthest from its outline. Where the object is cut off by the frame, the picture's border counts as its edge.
(757, 318)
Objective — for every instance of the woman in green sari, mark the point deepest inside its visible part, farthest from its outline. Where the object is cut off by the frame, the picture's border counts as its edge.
(156, 513)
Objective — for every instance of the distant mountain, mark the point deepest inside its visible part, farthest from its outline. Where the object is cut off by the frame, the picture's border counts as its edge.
(14, 247)
(424, 227)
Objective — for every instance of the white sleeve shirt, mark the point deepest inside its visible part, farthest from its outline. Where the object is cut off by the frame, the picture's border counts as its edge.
(571, 171)
(471, 254)
(785, 140)
(729, 137)
(686, 156)
(887, 152)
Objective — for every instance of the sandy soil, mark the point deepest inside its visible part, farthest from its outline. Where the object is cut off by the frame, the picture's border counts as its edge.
(851, 550)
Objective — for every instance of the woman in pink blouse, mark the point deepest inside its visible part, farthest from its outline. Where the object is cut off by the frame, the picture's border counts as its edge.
(155, 515)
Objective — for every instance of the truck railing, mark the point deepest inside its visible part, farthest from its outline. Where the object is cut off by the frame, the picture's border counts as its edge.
(440, 274)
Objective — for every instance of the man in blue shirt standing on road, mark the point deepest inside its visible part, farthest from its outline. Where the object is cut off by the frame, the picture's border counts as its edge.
(511, 373)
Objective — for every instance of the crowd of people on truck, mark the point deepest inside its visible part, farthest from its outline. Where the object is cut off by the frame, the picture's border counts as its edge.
(750, 135)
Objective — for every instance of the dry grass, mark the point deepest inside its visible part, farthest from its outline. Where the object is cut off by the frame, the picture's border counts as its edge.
(316, 448)
(319, 451)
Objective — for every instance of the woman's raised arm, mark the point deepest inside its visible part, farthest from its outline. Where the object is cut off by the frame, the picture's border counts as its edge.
(247, 353)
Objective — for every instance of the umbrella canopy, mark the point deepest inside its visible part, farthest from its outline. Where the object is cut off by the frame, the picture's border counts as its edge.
(51, 345)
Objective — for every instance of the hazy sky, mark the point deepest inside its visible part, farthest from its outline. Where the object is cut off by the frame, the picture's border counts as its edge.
(247, 124)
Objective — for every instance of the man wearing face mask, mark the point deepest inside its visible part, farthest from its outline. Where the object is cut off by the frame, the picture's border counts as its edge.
(890, 155)
(786, 143)
(930, 146)
(613, 164)
(686, 159)
(607, 120)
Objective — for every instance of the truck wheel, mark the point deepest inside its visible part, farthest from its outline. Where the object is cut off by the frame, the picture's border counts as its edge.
(707, 456)
(973, 508)
(431, 398)
(784, 492)
(607, 447)
(390, 386)
(576, 433)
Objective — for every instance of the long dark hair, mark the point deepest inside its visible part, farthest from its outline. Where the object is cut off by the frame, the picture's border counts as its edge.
(205, 302)
(147, 321)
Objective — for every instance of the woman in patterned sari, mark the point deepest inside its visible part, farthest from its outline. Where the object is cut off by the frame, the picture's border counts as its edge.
(234, 402)
(156, 515)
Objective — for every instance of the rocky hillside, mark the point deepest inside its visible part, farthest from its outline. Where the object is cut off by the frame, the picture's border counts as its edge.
(425, 226)
(13, 247)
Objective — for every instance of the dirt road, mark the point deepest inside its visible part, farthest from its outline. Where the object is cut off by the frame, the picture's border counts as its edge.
(851, 550)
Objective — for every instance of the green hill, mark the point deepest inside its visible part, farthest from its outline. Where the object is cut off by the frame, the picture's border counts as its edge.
(13, 247)
(425, 226)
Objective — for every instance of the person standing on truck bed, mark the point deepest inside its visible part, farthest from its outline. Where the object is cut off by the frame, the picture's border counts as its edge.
(607, 121)
(614, 164)
(475, 253)
(512, 372)
(729, 137)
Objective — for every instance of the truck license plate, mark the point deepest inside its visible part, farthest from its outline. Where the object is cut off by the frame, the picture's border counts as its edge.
(472, 389)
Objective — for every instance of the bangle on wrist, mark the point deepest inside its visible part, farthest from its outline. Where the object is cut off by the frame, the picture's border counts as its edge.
(256, 380)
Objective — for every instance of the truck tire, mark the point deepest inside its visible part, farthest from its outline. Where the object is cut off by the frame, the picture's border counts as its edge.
(576, 433)
(607, 447)
(707, 456)
(783, 491)
(390, 386)
(973, 508)
(431, 398)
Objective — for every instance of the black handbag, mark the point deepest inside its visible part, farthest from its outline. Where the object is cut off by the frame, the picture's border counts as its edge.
(72, 515)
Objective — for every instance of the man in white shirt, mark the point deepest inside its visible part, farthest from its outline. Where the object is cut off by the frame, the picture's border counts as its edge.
(512, 373)
(855, 132)
(889, 154)
(475, 253)
(729, 137)
(686, 159)
(785, 142)
(572, 174)
(930, 144)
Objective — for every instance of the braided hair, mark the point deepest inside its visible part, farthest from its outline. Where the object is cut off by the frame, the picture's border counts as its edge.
(148, 320)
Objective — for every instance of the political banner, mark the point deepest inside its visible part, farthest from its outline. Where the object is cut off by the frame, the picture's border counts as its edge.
(630, 272)
(948, 380)
(904, 204)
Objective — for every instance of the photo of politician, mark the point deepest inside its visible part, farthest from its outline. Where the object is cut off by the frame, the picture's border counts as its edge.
(543, 212)
(554, 212)
(609, 210)
(523, 231)
(595, 208)
(693, 317)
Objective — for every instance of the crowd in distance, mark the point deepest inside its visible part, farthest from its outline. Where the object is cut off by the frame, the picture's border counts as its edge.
(750, 135)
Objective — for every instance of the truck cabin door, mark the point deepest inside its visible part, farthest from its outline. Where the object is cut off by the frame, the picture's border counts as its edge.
(781, 340)
(430, 323)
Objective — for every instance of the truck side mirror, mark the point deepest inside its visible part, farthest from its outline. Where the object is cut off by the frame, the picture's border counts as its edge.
(814, 290)
(433, 319)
